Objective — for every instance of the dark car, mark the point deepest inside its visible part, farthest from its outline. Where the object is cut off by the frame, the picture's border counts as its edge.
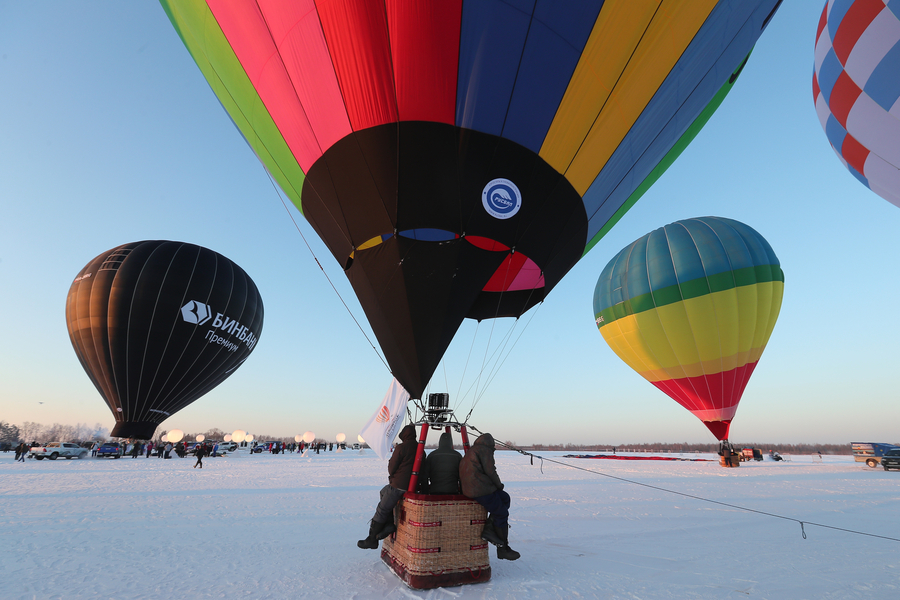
(891, 459)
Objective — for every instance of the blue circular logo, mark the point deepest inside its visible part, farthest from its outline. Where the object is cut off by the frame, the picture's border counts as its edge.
(501, 198)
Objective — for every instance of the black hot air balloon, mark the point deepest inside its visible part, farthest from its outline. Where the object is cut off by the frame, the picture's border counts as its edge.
(157, 324)
(458, 157)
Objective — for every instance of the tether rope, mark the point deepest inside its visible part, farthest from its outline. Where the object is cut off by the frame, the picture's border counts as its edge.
(692, 496)
(321, 268)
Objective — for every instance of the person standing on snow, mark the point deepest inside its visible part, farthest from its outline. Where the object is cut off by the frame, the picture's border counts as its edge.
(480, 482)
(200, 453)
(399, 471)
(440, 474)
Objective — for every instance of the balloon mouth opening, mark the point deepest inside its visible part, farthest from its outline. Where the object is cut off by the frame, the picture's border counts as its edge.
(516, 273)
(719, 428)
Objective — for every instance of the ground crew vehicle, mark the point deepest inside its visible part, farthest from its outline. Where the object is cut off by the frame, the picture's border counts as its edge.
(870, 452)
(54, 450)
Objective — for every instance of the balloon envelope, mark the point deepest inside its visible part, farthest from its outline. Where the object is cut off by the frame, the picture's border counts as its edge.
(455, 171)
(309, 436)
(856, 88)
(360, 439)
(157, 324)
(249, 437)
(200, 438)
(690, 307)
(175, 436)
(227, 437)
(239, 435)
(340, 438)
(298, 437)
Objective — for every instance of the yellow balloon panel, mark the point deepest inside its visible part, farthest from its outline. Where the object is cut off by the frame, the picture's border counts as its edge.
(699, 336)
(613, 113)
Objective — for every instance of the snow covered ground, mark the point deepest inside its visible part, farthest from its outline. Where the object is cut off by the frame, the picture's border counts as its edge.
(286, 526)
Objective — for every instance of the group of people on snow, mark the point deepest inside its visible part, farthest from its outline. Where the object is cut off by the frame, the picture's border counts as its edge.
(445, 471)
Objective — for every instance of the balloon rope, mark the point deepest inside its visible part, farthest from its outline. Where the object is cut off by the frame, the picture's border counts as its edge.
(475, 395)
(500, 362)
(701, 498)
(468, 357)
(321, 268)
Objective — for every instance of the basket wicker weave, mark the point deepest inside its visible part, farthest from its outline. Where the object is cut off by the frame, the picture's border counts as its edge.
(438, 542)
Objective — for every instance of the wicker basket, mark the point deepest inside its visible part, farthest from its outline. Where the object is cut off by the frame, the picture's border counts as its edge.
(438, 542)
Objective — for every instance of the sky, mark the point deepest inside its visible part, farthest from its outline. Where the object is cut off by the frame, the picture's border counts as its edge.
(110, 134)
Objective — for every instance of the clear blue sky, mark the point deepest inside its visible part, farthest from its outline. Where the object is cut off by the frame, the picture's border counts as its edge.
(110, 135)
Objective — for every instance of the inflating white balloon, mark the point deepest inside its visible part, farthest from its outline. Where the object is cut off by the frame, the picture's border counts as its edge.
(227, 437)
(249, 437)
(175, 435)
(309, 436)
(164, 438)
(200, 437)
(239, 435)
(361, 441)
(340, 437)
(298, 437)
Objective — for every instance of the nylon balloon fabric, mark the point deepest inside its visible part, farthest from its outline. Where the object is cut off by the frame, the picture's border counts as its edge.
(691, 307)
(459, 157)
(157, 324)
(856, 88)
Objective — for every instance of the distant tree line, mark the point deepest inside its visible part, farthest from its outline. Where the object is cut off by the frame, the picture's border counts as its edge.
(29, 431)
(38, 432)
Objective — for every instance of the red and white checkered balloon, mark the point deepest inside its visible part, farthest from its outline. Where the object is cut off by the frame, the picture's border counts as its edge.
(856, 87)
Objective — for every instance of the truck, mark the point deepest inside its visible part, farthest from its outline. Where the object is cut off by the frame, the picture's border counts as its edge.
(751, 454)
(110, 450)
(870, 452)
(54, 450)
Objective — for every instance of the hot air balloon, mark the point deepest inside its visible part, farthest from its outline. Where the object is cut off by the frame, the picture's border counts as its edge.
(459, 157)
(690, 307)
(157, 324)
(856, 88)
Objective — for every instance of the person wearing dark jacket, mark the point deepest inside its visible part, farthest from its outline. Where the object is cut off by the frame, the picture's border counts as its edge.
(200, 452)
(399, 471)
(480, 481)
(440, 475)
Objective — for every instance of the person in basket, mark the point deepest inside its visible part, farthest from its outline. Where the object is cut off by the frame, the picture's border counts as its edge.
(399, 471)
(480, 482)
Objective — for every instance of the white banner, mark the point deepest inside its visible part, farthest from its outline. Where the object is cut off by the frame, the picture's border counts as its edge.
(381, 429)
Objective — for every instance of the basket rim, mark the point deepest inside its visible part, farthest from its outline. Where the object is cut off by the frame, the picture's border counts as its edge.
(438, 497)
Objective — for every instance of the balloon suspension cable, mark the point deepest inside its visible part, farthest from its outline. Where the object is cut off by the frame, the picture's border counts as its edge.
(501, 360)
(683, 494)
(468, 357)
(321, 268)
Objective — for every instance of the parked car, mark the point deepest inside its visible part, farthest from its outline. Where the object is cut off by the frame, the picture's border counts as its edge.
(221, 448)
(54, 450)
(870, 452)
(110, 449)
(891, 459)
(227, 447)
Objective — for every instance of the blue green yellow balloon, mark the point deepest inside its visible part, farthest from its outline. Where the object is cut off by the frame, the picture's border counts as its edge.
(690, 307)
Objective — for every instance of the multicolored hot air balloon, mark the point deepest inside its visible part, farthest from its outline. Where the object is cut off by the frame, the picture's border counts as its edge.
(458, 157)
(690, 307)
(856, 88)
(157, 324)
